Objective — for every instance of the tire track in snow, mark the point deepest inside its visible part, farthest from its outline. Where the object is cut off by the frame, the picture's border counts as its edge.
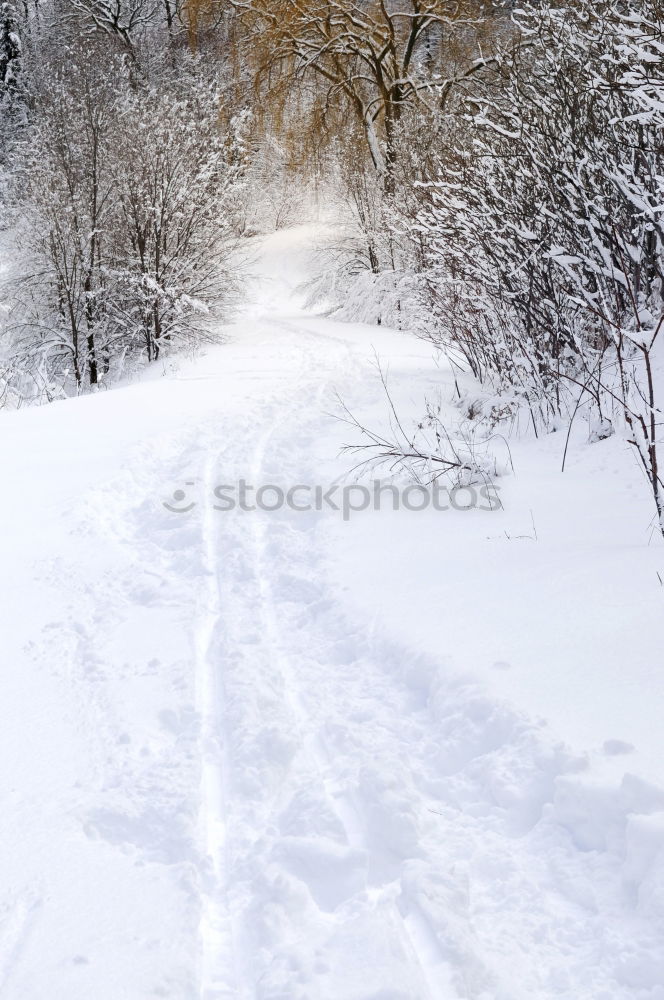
(220, 962)
(218, 973)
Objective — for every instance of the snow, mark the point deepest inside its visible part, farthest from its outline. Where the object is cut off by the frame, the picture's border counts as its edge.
(284, 756)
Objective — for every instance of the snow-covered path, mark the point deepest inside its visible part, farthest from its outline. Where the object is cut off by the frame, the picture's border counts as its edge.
(225, 776)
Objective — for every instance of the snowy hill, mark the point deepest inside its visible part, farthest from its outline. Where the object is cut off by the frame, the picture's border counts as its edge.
(287, 755)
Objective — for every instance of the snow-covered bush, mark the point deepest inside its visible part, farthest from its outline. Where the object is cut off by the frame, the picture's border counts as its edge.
(544, 228)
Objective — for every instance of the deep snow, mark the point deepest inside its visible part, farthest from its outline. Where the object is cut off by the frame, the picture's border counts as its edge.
(283, 756)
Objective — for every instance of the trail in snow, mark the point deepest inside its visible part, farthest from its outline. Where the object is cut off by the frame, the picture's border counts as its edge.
(242, 780)
(289, 819)
(217, 962)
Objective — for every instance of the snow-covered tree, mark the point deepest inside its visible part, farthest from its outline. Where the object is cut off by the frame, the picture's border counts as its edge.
(127, 222)
(174, 229)
(10, 46)
(12, 97)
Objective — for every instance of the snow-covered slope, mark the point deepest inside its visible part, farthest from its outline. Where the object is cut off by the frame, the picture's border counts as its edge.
(287, 756)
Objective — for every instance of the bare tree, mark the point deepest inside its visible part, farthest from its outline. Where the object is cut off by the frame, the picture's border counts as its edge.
(375, 58)
(120, 19)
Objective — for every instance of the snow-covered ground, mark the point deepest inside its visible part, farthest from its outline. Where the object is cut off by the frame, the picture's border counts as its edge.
(407, 756)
